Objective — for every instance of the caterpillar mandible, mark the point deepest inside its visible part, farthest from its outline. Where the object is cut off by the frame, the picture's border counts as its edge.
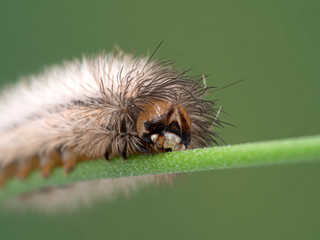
(102, 106)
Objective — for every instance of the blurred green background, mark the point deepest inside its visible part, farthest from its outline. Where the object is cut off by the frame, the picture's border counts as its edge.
(274, 45)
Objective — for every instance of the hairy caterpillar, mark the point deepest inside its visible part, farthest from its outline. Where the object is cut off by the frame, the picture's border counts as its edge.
(103, 106)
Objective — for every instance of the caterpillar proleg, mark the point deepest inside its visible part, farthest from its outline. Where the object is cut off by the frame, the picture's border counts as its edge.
(108, 105)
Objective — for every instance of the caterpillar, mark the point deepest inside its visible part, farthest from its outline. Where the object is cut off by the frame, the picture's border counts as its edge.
(106, 105)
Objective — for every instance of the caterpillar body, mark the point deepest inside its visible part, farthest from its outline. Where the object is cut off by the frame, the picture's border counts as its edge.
(102, 106)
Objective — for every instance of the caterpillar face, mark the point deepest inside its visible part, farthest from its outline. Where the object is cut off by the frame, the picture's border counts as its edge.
(164, 126)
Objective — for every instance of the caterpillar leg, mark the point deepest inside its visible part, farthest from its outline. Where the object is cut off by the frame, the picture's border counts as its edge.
(69, 160)
(6, 172)
(26, 167)
(124, 153)
(106, 155)
(49, 161)
(46, 162)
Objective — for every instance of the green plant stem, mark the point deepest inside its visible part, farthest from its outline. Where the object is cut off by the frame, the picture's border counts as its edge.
(302, 149)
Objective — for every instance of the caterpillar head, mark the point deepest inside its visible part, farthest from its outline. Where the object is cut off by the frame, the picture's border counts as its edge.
(164, 126)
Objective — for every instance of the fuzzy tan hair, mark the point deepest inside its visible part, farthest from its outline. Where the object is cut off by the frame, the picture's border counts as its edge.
(88, 106)
(82, 106)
